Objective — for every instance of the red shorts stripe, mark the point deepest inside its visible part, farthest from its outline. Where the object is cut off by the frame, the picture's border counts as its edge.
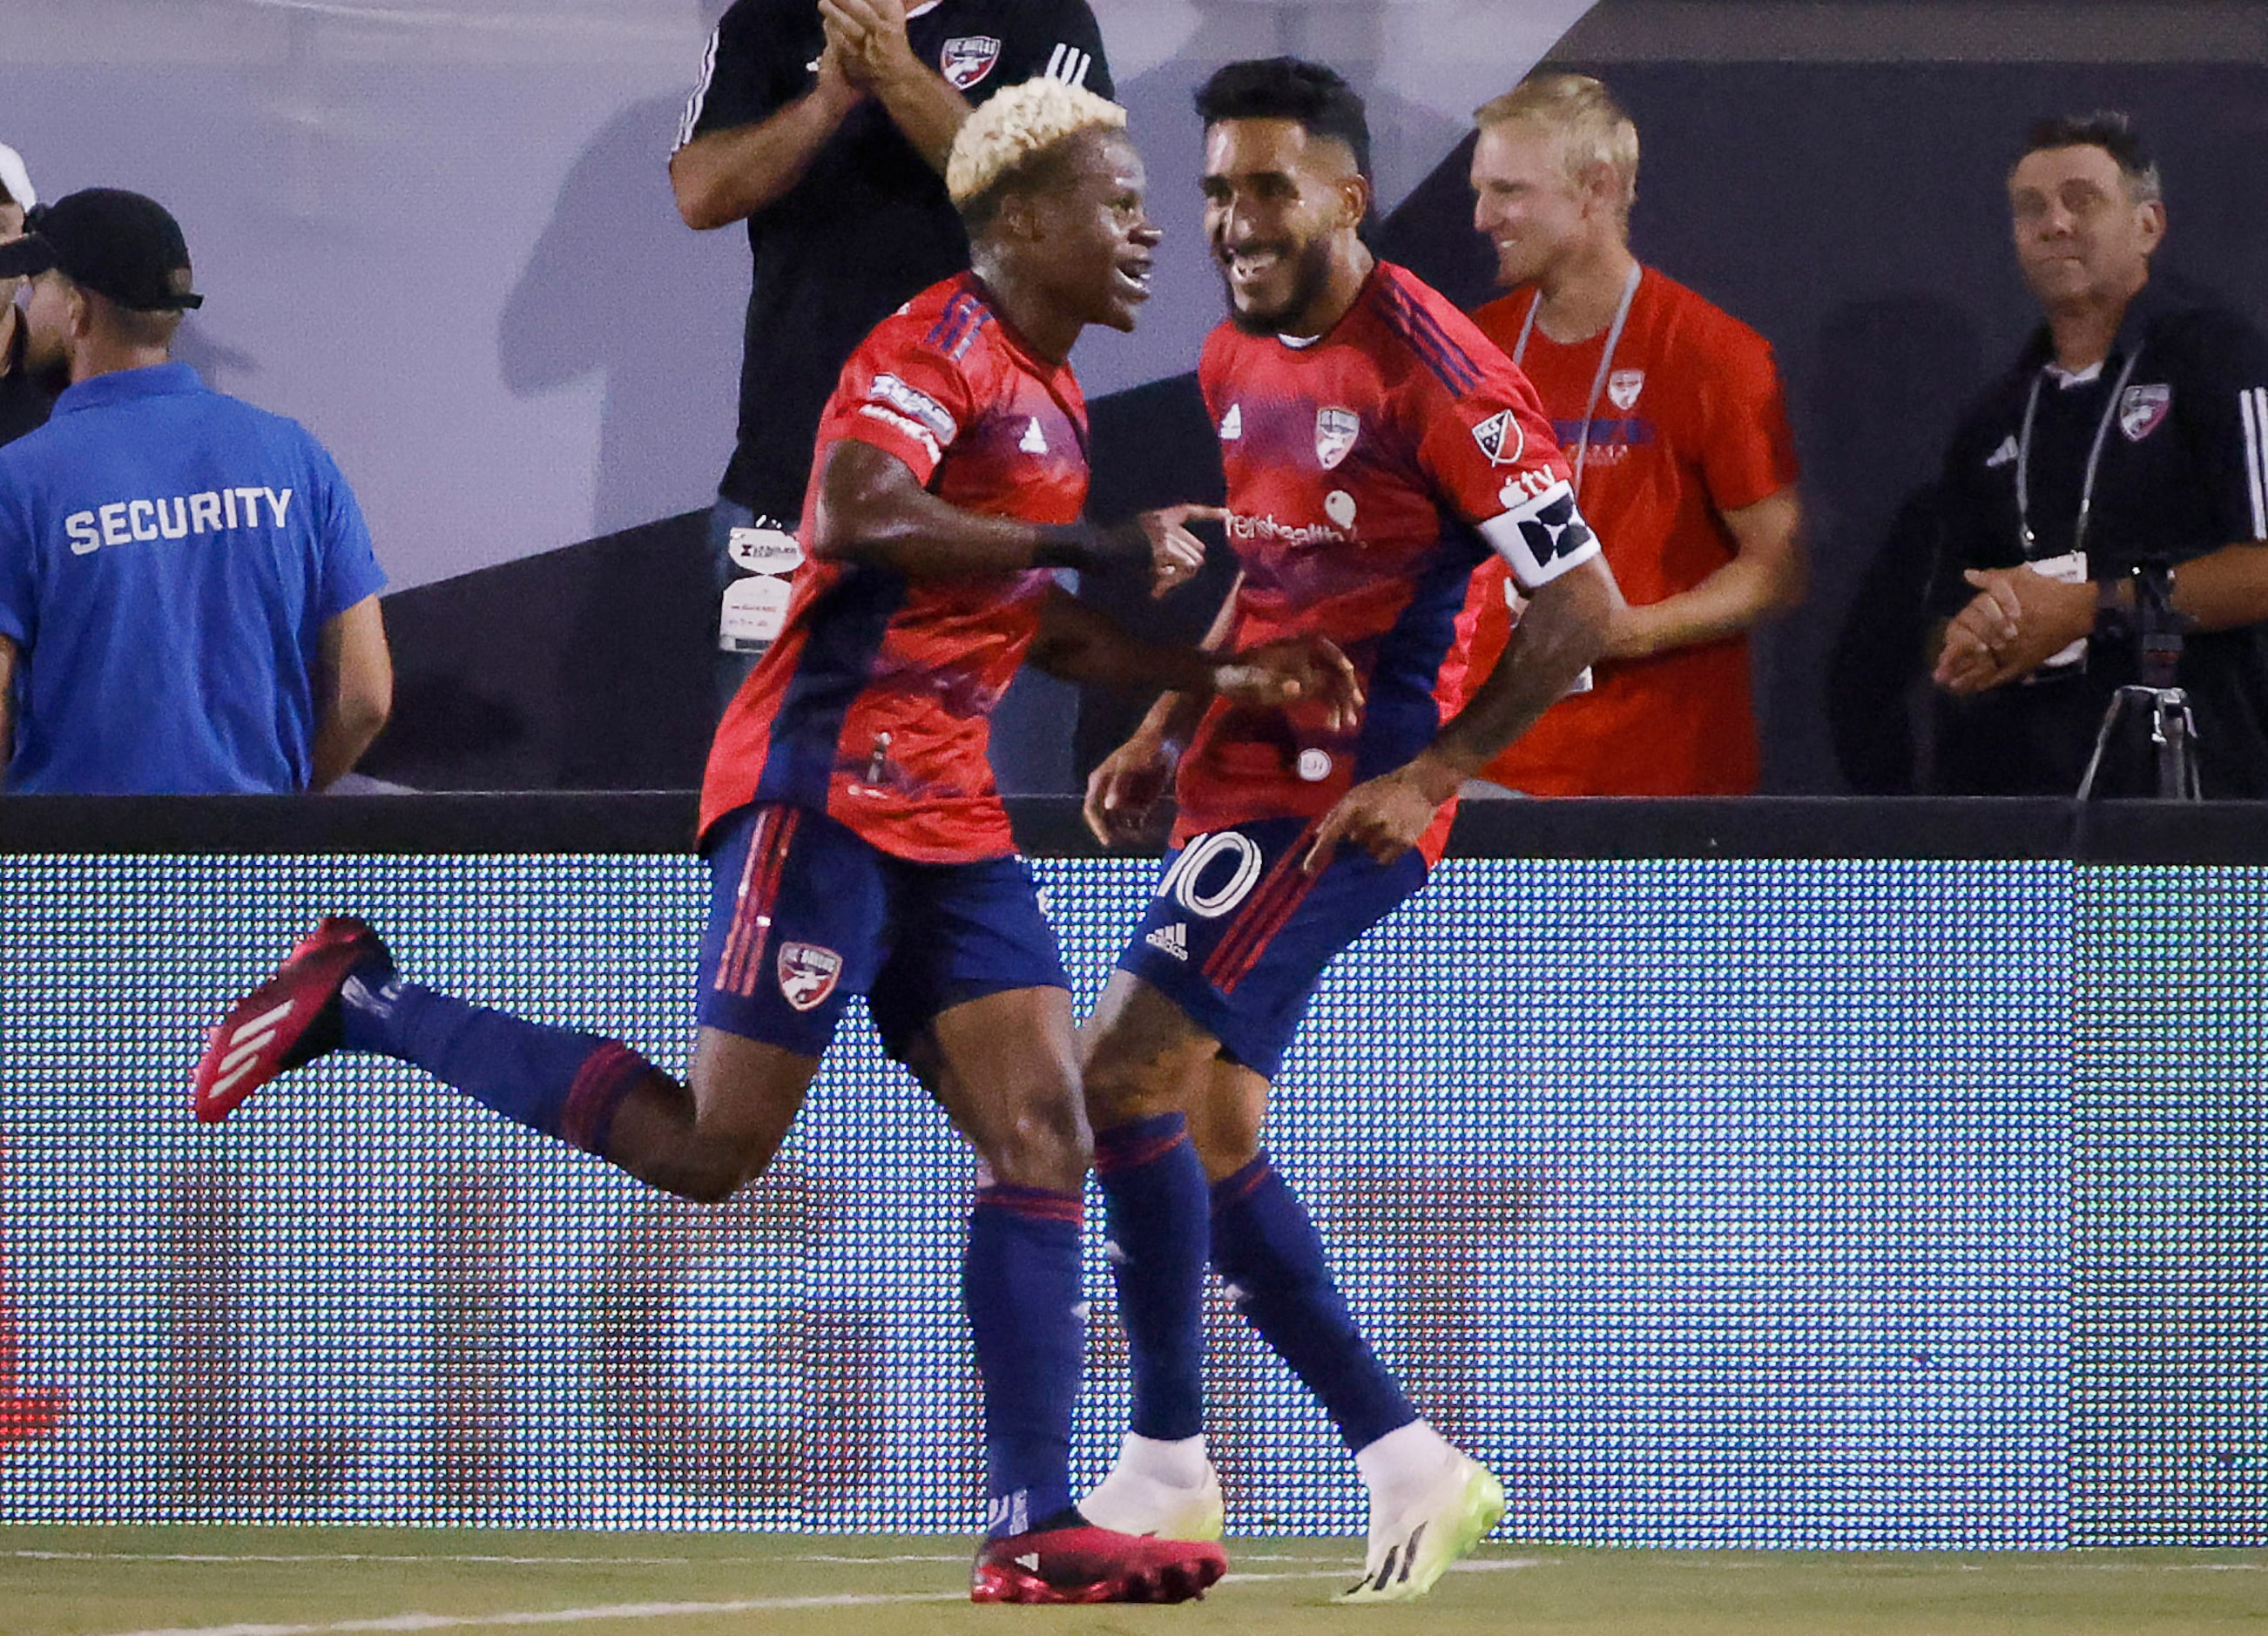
(1253, 915)
(766, 896)
(739, 930)
(1264, 915)
(750, 912)
(1254, 905)
(1225, 973)
(742, 965)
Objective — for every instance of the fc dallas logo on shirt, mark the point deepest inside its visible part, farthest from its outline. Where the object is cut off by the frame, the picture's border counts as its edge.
(966, 61)
(807, 973)
(1335, 431)
(2142, 409)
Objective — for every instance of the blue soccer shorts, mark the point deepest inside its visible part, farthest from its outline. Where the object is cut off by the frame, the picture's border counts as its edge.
(1237, 934)
(803, 914)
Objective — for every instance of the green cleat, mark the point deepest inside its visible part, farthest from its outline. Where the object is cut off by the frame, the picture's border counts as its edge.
(1428, 1529)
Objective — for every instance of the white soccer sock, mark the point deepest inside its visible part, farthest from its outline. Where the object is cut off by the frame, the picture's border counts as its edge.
(1408, 1456)
(1179, 1463)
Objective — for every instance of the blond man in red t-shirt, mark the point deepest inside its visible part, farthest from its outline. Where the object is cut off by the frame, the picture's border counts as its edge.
(1670, 413)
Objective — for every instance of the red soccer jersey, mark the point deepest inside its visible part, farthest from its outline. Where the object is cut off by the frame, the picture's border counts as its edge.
(1369, 473)
(874, 704)
(1690, 424)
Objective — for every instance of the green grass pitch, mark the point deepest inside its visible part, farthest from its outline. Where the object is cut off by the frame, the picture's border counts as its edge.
(284, 1581)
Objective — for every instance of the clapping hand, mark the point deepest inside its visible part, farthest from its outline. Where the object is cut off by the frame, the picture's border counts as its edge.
(869, 36)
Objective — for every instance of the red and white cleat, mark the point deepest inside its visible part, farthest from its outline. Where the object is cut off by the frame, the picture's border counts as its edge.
(1089, 1564)
(289, 1020)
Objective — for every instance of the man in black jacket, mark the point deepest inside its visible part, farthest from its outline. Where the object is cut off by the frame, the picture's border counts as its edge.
(2129, 441)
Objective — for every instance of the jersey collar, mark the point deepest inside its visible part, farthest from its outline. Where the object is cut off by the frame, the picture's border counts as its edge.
(124, 386)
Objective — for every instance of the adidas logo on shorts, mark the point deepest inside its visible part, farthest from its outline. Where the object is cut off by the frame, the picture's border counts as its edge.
(1174, 939)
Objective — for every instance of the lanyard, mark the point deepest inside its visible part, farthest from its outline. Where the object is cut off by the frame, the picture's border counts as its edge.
(2025, 536)
(1606, 362)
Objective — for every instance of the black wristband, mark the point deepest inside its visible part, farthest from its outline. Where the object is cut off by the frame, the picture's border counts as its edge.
(1082, 545)
(2114, 623)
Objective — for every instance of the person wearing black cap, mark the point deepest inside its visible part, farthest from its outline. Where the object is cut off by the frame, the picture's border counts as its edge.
(188, 598)
(2127, 448)
(27, 388)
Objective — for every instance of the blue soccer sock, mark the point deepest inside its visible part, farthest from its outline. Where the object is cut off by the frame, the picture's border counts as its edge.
(1154, 1187)
(1021, 1283)
(564, 1084)
(1266, 1248)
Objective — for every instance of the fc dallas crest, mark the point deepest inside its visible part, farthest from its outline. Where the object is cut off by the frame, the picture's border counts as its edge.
(1335, 431)
(967, 60)
(807, 973)
(2142, 409)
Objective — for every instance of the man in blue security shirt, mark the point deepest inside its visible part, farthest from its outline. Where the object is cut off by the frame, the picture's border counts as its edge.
(189, 600)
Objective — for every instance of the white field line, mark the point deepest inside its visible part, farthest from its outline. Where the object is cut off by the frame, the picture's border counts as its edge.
(411, 1622)
(421, 1622)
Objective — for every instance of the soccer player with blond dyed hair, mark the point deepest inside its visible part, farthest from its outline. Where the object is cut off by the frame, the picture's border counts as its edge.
(1672, 415)
(1015, 130)
(855, 840)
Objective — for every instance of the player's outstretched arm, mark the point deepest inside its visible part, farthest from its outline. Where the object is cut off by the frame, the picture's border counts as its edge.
(1079, 644)
(1564, 630)
(873, 509)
